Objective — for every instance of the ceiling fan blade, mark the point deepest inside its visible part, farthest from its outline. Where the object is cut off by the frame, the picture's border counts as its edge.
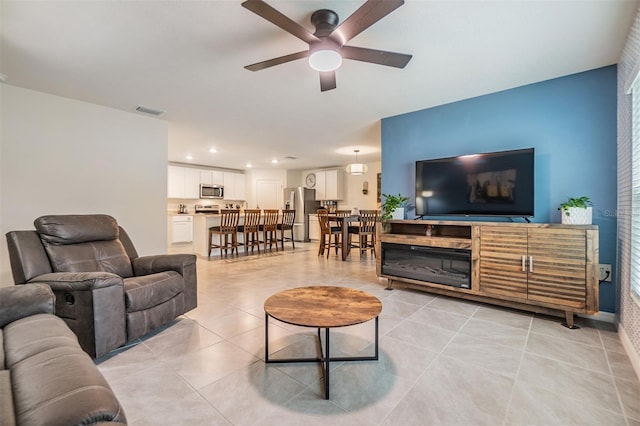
(327, 80)
(277, 61)
(368, 14)
(380, 57)
(272, 15)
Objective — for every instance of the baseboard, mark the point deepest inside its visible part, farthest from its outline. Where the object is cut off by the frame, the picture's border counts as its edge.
(602, 316)
(626, 343)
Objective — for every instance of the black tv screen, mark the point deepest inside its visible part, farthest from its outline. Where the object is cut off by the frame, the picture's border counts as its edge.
(488, 184)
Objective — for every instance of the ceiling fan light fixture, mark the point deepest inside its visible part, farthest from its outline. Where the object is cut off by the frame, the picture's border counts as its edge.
(325, 60)
(357, 169)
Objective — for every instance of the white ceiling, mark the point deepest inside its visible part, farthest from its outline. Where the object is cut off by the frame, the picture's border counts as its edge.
(187, 58)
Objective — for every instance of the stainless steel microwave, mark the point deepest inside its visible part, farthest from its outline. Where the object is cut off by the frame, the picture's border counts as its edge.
(211, 191)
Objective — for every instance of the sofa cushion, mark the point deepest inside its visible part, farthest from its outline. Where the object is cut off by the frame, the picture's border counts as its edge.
(147, 291)
(7, 415)
(62, 386)
(83, 243)
(29, 336)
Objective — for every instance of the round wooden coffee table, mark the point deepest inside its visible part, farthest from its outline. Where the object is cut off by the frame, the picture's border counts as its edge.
(322, 307)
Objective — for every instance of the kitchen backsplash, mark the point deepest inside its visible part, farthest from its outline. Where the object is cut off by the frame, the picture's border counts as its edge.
(173, 204)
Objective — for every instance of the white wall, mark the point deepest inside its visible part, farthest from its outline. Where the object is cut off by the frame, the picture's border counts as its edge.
(353, 189)
(61, 156)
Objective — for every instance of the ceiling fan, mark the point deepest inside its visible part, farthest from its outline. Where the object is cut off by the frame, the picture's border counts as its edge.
(327, 44)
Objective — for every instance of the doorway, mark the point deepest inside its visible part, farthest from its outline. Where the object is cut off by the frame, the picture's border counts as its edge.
(269, 193)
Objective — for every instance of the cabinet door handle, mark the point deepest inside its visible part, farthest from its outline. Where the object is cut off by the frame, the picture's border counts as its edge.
(530, 263)
(524, 263)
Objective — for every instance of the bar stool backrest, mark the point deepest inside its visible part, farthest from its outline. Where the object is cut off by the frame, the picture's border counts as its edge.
(229, 220)
(288, 218)
(251, 220)
(270, 219)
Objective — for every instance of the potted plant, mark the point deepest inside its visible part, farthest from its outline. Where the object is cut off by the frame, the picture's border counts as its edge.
(577, 211)
(393, 206)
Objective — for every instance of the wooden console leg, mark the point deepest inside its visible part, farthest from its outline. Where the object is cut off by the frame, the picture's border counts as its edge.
(389, 284)
(569, 323)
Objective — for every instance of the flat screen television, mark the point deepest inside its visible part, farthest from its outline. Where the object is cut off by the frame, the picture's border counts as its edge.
(488, 184)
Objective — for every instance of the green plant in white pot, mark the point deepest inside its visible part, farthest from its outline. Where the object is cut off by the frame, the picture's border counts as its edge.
(393, 206)
(577, 211)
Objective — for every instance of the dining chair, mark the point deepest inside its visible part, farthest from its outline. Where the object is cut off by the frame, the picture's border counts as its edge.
(228, 228)
(326, 232)
(269, 228)
(365, 230)
(286, 224)
(250, 230)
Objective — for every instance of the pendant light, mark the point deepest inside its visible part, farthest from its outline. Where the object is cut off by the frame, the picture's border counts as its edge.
(357, 169)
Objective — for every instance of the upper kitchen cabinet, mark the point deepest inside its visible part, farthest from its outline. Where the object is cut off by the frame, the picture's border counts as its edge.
(211, 177)
(183, 182)
(329, 184)
(234, 186)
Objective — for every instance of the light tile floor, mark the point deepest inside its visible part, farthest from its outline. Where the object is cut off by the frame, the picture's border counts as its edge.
(442, 361)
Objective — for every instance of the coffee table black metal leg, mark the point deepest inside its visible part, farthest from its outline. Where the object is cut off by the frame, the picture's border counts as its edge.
(266, 337)
(325, 355)
(327, 358)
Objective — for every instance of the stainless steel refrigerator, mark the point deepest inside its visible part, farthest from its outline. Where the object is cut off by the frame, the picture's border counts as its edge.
(303, 201)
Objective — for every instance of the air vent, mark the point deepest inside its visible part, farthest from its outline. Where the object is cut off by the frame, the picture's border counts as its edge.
(150, 111)
(291, 158)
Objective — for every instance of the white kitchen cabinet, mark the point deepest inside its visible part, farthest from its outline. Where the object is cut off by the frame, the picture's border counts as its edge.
(330, 184)
(191, 183)
(183, 182)
(211, 177)
(241, 187)
(234, 186)
(175, 182)
(182, 229)
(314, 228)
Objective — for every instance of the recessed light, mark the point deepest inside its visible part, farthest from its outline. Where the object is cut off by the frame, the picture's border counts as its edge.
(249, 165)
(189, 157)
(274, 161)
(213, 150)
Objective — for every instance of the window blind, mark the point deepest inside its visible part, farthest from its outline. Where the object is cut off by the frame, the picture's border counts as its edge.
(635, 187)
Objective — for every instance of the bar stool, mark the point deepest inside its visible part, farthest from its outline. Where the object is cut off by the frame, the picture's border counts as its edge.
(269, 228)
(228, 228)
(366, 231)
(286, 224)
(250, 230)
(326, 232)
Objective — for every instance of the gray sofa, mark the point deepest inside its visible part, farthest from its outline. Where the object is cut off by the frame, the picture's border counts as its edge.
(45, 377)
(105, 292)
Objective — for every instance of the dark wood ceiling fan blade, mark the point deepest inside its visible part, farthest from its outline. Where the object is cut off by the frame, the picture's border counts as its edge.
(272, 15)
(368, 14)
(380, 57)
(327, 80)
(277, 61)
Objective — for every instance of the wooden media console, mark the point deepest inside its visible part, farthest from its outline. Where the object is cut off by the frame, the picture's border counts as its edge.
(546, 268)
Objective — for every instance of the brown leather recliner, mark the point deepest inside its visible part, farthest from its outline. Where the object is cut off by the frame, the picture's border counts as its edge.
(105, 292)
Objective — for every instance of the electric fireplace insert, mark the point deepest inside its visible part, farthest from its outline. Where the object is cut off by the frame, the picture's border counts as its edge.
(438, 265)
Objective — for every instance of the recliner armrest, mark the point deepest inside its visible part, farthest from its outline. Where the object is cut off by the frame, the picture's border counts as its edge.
(78, 281)
(184, 264)
(93, 306)
(147, 265)
(25, 300)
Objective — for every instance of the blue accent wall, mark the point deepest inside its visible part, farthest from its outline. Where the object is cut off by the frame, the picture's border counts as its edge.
(571, 123)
